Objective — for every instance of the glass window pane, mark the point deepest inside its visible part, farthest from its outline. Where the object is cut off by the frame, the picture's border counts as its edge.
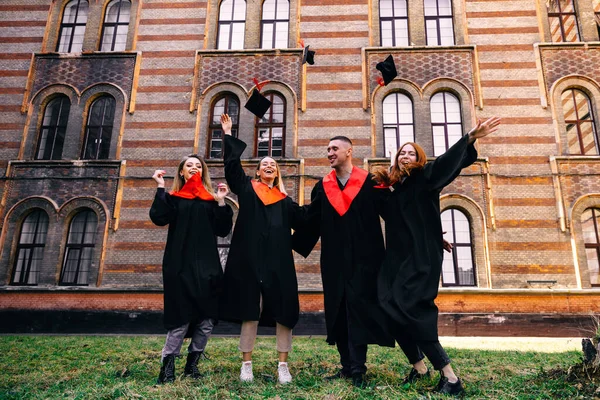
(593, 265)
(385, 8)
(237, 36)
(268, 9)
(401, 33)
(448, 277)
(267, 39)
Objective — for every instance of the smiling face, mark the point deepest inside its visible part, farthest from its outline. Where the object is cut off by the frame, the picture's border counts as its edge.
(267, 170)
(338, 152)
(190, 167)
(407, 155)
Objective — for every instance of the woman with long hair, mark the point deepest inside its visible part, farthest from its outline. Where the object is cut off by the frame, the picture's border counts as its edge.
(260, 277)
(410, 274)
(192, 272)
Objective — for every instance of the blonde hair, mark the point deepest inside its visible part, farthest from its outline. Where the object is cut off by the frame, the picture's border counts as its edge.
(278, 180)
(396, 172)
(178, 181)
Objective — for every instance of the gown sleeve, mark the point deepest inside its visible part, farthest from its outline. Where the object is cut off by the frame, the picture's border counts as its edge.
(307, 236)
(444, 169)
(163, 210)
(222, 220)
(234, 173)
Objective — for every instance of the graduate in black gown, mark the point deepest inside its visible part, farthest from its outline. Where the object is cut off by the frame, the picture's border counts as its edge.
(410, 274)
(344, 213)
(260, 277)
(192, 272)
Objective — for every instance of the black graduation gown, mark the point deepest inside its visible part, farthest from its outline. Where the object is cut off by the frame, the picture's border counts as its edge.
(410, 275)
(352, 251)
(192, 272)
(260, 258)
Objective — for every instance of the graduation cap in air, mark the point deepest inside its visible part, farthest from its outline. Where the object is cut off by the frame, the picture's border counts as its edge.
(258, 104)
(309, 56)
(388, 69)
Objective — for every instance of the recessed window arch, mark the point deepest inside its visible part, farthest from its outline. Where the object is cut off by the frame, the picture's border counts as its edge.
(562, 17)
(72, 27)
(590, 225)
(446, 121)
(116, 26)
(582, 137)
(398, 122)
(232, 25)
(229, 104)
(30, 248)
(393, 22)
(439, 27)
(99, 128)
(275, 24)
(79, 249)
(53, 129)
(458, 268)
(270, 129)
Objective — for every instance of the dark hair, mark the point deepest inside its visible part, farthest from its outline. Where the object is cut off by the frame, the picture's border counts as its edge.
(342, 138)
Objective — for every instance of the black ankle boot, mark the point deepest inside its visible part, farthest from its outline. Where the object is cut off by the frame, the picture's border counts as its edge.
(445, 387)
(167, 370)
(191, 366)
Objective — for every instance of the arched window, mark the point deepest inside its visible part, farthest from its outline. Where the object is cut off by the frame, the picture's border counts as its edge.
(275, 24)
(72, 27)
(223, 244)
(227, 104)
(398, 122)
(596, 4)
(79, 249)
(232, 24)
(270, 129)
(438, 22)
(99, 127)
(458, 268)
(590, 222)
(116, 25)
(53, 129)
(579, 120)
(30, 248)
(393, 22)
(563, 21)
(446, 121)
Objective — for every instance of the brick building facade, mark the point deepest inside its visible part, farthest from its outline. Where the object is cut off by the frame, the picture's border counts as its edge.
(97, 94)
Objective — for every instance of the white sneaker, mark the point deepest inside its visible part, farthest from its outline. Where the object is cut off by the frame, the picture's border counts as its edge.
(246, 374)
(283, 374)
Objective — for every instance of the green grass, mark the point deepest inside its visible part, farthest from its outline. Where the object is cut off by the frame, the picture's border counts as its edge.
(126, 367)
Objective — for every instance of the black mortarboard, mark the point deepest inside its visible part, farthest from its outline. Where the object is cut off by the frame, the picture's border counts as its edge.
(388, 69)
(258, 104)
(309, 56)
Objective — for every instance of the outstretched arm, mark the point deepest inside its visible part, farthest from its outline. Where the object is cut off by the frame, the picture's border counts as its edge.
(232, 151)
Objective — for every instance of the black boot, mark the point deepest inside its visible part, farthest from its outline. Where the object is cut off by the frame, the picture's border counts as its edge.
(167, 370)
(191, 366)
(445, 387)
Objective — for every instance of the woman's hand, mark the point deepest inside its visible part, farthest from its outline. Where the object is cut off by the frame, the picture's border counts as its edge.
(482, 129)
(226, 124)
(222, 191)
(158, 177)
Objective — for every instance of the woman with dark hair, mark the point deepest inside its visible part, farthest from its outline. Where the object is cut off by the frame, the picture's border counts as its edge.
(192, 272)
(260, 279)
(410, 274)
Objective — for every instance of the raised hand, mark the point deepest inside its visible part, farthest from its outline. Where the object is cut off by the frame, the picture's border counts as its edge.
(226, 124)
(222, 191)
(482, 129)
(158, 177)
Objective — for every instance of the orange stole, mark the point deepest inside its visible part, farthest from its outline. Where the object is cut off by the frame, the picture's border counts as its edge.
(194, 189)
(267, 195)
(342, 199)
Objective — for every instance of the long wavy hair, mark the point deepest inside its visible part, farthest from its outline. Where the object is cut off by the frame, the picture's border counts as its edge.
(389, 176)
(178, 181)
(278, 180)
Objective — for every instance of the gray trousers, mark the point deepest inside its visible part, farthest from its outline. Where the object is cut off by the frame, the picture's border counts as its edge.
(200, 336)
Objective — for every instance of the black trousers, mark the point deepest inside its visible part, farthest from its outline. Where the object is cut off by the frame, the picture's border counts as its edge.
(353, 357)
(414, 350)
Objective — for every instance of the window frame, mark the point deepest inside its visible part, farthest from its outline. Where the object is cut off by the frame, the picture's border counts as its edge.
(274, 22)
(559, 16)
(73, 25)
(43, 140)
(397, 125)
(231, 23)
(445, 124)
(269, 124)
(216, 126)
(115, 25)
(595, 216)
(393, 19)
(454, 254)
(577, 122)
(102, 128)
(79, 246)
(25, 272)
(437, 18)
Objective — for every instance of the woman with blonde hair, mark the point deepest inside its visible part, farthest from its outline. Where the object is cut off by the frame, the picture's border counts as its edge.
(192, 273)
(260, 277)
(410, 274)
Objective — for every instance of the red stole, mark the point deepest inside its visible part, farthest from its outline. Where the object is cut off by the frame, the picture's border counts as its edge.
(267, 195)
(193, 189)
(342, 199)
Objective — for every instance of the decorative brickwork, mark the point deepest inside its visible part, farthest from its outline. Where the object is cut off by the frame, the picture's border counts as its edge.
(562, 60)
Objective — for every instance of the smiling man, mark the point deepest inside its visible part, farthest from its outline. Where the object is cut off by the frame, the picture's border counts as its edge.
(343, 212)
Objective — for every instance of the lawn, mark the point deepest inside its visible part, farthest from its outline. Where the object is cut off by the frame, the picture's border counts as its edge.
(126, 367)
